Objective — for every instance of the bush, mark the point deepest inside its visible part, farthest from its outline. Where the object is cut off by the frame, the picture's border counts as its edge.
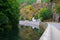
(45, 14)
(27, 1)
(36, 16)
(9, 19)
(27, 33)
(58, 9)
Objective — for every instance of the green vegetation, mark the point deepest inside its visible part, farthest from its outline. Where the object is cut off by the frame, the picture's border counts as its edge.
(27, 1)
(45, 13)
(9, 19)
(27, 33)
(45, 0)
(36, 16)
(58, 9)
(27, 11)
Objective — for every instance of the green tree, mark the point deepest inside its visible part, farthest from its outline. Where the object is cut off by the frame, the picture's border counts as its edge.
(58, 9)
(9, 19)
(45, 14)
(45, 0)
(27, 1)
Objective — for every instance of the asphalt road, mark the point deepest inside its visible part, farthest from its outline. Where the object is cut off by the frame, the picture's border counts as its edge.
(33, 24)
(57, 25)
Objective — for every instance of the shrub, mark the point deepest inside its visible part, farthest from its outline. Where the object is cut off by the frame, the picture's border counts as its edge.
(9, 19)
(58, 9)
(45, 14)
(36, 16)
(27, 1)
(27, 33)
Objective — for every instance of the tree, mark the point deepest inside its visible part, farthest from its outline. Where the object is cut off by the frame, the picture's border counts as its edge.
(45, 14)
(27, 1)
(9, 19)
(45, 0)
(51, 1)
(58, 9)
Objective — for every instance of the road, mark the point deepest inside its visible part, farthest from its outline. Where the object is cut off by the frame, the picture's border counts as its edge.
(33, 24)
(52, 32)
(57, 25)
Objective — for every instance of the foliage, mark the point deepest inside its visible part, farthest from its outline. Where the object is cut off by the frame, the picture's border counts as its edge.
(36, 16)
(45, 13)
(27, 33)
(27, 11)
(45, 0)
(20, 18)
(58, 9)
(9, 19)
(27, 1)
(56, 0)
